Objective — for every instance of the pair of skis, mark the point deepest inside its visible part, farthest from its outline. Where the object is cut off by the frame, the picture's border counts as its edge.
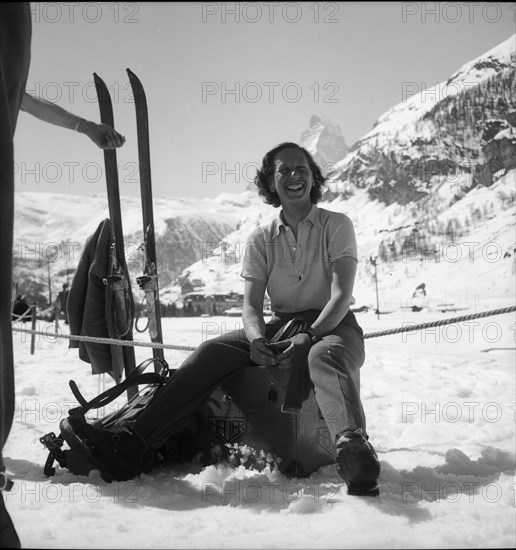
(118, 277)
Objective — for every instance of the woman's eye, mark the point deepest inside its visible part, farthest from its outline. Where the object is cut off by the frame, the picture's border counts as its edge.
(299, 169)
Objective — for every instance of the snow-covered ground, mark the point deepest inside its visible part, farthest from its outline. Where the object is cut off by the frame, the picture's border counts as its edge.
(441, 414)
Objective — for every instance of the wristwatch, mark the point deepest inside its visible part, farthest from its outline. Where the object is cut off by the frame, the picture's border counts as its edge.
(311, 332)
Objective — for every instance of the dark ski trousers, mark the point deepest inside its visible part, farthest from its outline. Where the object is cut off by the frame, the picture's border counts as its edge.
(334, 368)
(15, 39)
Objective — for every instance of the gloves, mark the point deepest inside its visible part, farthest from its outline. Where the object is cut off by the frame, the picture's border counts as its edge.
(281, 354)
(262, 353)
(298, 346)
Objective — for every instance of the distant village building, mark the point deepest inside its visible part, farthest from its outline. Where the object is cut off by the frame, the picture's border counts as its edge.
(186, 287)
(200, 303)
(209, 305)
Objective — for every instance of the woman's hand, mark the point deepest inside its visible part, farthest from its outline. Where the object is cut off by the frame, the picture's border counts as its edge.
(262, 353)
(298, 344)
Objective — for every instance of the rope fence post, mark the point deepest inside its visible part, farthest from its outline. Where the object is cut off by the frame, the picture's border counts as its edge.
(33, 337)
(56, 317)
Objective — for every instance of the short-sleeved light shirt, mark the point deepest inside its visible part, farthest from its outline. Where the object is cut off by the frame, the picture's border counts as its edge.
(298, 274)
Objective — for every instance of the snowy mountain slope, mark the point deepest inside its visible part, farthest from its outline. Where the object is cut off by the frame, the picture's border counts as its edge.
(57, 217)
(401, 119)
(476, 265)
(470, 266)
(437, 131)
(51, 229)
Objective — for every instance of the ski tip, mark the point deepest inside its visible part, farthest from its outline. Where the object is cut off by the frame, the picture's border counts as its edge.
(97, 80)
(132, 76)
(136, 85)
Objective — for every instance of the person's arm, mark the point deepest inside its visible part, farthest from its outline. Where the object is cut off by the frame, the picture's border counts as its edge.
(254, 323)
(252, 310)
(343, 279)
(102, 135)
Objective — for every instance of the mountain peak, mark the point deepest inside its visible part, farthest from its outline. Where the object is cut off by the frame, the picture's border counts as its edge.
(324, 141)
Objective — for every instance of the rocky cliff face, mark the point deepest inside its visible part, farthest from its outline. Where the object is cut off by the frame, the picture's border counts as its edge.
(184, 242)
(435, 134)
(499, 147)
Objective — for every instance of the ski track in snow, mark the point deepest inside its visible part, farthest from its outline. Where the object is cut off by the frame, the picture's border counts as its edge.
(440, 414)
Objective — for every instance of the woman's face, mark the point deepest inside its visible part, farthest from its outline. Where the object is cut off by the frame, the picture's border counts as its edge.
(292, 178)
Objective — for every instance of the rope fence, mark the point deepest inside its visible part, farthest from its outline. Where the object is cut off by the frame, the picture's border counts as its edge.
(441, 322)
(387, 332)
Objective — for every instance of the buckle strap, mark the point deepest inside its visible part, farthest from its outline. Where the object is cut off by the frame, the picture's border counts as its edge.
(112, 393)
(135, 378)
(53, 444)
(297, 379)
(290, 329)
(77, 394)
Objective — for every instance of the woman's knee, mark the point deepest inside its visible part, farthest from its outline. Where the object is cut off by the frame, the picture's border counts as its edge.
(349, 344)
(336, 354)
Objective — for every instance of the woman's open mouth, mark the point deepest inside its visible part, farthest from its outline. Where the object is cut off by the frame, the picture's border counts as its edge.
(295, 187)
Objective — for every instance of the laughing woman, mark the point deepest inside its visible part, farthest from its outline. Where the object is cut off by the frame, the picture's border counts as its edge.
(306, 259)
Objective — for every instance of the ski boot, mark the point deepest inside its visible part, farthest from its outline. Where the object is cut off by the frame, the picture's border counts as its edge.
(357, 463)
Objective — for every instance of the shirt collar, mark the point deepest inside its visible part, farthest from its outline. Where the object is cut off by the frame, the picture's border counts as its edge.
(313, 216)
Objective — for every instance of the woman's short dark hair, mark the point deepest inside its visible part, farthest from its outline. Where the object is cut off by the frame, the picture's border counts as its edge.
(266, 172)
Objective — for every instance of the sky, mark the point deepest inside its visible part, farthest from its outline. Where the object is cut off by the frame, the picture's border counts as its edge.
(226, 82)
